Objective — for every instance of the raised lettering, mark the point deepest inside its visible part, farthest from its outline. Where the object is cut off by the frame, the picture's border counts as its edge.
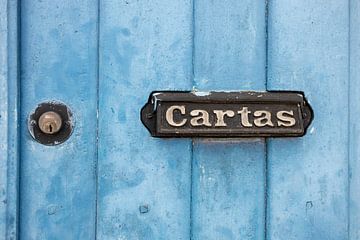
(284, 120)
(200, 118)
(245, 117)
(170, 116)
(263, 120)
(220, 114)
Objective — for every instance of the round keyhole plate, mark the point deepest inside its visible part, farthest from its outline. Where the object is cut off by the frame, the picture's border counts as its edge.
(51, 110)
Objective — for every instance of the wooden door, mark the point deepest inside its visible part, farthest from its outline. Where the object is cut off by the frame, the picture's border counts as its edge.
(112, 180)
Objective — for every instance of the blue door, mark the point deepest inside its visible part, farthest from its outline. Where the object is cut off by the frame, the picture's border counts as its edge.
(112, 180)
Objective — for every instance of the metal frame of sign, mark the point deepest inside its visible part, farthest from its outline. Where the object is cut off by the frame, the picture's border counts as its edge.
(227, 114)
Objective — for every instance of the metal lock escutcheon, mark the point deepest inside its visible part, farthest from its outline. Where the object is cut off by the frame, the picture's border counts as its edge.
(51, 123)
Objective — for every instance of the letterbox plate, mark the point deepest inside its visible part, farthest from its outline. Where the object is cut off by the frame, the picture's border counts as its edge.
(226, 114)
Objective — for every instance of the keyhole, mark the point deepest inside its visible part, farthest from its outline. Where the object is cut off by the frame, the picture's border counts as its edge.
(50, 122)
(50, 128)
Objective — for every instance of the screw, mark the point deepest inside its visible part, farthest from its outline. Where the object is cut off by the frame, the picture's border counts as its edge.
(144, 209)
(50, 122)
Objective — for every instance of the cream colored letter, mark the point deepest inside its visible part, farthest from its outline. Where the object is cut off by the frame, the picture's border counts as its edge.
(170, 116)
(263, 120)
(200, 117)
(245, 117)
(284, 120)
(220, 114)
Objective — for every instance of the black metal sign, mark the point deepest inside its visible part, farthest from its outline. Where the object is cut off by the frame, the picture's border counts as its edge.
(226, 114)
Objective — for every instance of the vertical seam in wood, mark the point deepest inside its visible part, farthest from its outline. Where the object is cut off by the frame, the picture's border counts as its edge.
(266, 185)
(266, 41)
(13, 81)
(193, 46)
(97, 117)
(266, 178)
(192, 141)
(191, 188)
(349, 121)
(18, 162)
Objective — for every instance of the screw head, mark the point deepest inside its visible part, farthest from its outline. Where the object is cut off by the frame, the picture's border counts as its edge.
(50, 122)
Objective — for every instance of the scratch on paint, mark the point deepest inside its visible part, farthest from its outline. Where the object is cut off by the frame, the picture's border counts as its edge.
(201, 94)
(312, 130)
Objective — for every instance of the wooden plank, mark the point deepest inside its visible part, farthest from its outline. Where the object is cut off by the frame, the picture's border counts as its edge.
(144, 183)
(228, 176)
(354, 127)
(3, 118)
(308, 177)
(59, 62)
(9, 97)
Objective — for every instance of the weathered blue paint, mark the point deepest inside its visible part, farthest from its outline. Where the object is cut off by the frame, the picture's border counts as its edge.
(9, 137)
(228, 176)
(149, 188)
(228, 189)
(354, 126)
(144, 46)
(59, 62)
(308, 177)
